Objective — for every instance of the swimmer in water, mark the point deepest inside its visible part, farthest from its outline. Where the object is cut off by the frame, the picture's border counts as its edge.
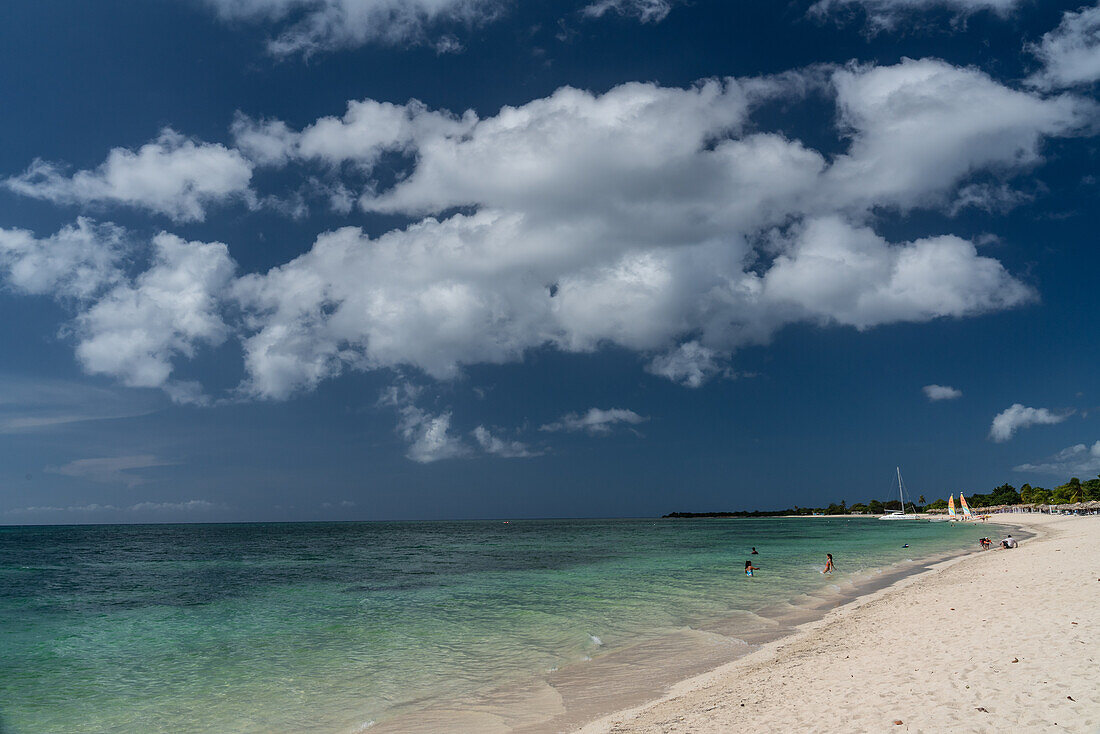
(749, 568)
(829, 567)
(754, 553)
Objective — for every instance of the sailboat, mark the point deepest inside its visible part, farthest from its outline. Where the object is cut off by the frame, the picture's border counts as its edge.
(900, 514)
(967, 514)
(951, 506)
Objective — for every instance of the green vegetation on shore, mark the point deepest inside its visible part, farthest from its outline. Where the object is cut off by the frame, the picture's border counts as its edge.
(1069, 493)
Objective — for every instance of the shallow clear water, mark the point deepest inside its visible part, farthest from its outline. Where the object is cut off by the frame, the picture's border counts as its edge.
(326, 626)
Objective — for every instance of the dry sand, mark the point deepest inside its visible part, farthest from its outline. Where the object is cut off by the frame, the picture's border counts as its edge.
(1004, 640)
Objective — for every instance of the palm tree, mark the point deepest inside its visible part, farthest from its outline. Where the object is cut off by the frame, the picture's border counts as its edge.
(921, 500)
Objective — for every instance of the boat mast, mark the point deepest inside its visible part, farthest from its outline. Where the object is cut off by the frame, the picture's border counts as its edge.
(901, 496)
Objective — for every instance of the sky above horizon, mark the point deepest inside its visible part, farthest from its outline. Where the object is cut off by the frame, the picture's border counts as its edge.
(420, 259)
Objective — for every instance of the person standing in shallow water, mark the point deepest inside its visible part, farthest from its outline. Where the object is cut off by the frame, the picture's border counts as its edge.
(829, 567)
(749, 568)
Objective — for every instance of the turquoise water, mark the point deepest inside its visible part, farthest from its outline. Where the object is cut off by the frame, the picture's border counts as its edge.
(330, 626)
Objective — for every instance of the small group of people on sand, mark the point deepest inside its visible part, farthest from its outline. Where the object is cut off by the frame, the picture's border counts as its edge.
(1008, 542)
(829, 567)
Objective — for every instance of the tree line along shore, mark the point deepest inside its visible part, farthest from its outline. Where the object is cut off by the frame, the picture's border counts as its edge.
(1071, 492)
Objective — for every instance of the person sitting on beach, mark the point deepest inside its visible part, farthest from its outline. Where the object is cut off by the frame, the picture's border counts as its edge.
(829, 567)
(749, 568)
(754, 553)
(1009, 542)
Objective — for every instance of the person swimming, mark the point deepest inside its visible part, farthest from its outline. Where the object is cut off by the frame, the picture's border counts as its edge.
(754, 553)
(749, 568)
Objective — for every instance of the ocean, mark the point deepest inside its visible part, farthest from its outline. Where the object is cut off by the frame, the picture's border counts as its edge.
(406, 626)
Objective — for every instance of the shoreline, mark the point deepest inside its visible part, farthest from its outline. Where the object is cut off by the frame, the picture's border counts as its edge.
(813, 679)
(654, 667)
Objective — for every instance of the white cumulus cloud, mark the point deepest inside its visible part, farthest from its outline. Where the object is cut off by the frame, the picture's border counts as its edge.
(135, 331)
(626, 218)
(1017, 416)
(428, 435)
(130, 328)
(889, 14)
(834, 272)
(1070, 53)
(172, 175)
(646, 11)
(78, 262)
(1080, 460)
(596, 421)
(919, 127)
(366, 130)
(659, 220)
(690, 364)
(941, 392)
(309, 26)
(496, 446)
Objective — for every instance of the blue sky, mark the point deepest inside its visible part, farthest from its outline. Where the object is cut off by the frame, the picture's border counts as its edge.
(369, 259)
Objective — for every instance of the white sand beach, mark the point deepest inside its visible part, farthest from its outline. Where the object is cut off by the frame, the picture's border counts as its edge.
(997, 641)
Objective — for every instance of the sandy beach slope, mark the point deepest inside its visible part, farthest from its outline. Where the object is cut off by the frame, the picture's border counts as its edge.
(1005, 640)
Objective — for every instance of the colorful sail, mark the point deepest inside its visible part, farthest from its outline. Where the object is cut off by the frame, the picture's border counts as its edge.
(951, 504)
(965, 507)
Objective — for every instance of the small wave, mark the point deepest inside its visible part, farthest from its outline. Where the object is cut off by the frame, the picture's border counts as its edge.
(586, 658)
(363, 727)
(596, 640)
